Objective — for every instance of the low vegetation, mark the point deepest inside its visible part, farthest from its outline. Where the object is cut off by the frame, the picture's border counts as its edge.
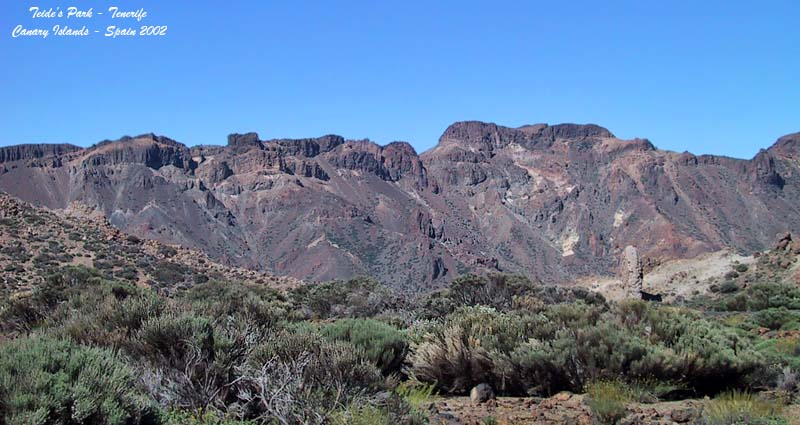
(607, 400)
(85, 347)
(738, 407)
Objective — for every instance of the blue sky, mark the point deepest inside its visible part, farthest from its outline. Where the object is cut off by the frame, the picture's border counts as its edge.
(718, 77)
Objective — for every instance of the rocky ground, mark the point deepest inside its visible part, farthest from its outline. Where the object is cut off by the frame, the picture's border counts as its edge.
(35, 241)
(562, 408)
(567, 408)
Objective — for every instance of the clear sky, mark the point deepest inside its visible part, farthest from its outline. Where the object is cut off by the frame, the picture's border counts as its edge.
(718, 77)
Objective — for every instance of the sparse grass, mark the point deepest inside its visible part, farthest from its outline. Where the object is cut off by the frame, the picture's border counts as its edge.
(608, 401)
(738, 407)
(418, 396)
(360, 415)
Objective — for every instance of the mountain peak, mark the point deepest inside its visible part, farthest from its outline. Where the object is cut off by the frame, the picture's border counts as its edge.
(244, 140)
(786, 145)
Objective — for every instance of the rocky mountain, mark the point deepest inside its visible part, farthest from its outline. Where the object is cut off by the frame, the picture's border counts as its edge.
(554, 202)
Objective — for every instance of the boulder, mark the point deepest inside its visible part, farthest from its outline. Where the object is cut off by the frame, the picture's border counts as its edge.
(784, 241)
(481, 393)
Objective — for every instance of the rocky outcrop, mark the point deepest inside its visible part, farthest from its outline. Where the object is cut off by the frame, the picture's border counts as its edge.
(763, 170)
(244, 141)
(632, 273)
(148, 150)
(34, 151)
(390, 163)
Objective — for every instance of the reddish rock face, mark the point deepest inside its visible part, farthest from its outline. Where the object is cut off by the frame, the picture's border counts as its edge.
(554, 202)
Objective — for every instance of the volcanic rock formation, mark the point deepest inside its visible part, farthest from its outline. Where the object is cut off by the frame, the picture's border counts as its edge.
(553, 202)
(632, 272)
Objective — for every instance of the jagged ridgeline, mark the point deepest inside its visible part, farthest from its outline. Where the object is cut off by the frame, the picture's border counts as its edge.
(552, 202)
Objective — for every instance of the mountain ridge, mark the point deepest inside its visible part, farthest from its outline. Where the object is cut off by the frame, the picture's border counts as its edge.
(555, 202)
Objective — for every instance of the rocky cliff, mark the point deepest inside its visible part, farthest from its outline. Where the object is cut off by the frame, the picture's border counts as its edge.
(554, 202)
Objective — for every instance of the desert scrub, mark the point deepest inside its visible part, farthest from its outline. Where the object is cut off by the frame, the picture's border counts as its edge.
(567, 345)
(46, 380)
(608, 401)
(23, 314)
(737, 407)
(384, 345)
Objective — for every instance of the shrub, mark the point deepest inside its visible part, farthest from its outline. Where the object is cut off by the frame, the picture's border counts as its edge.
(359, 297)
(714, 358)
(182, 417)
(261, 305)
(607, 400)
(738, 407)
(170, 273)
(23, 314)
(453, 360)
(788, 379)
(504, 292)
(731, 275)
(384, 345)
(192, 362)
(184, 367)
(105, 315)
(300, 377)
(766, 295)
(728, 287)
(45, 380)
(774, 318)
(567, 345)
(332, 364)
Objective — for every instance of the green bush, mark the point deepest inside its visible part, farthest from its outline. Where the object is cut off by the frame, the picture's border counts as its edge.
(728, 287)
(171, 339)
(45, 380)
(771, 295)
(774, 318)
(383, 344)
(190, 362)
